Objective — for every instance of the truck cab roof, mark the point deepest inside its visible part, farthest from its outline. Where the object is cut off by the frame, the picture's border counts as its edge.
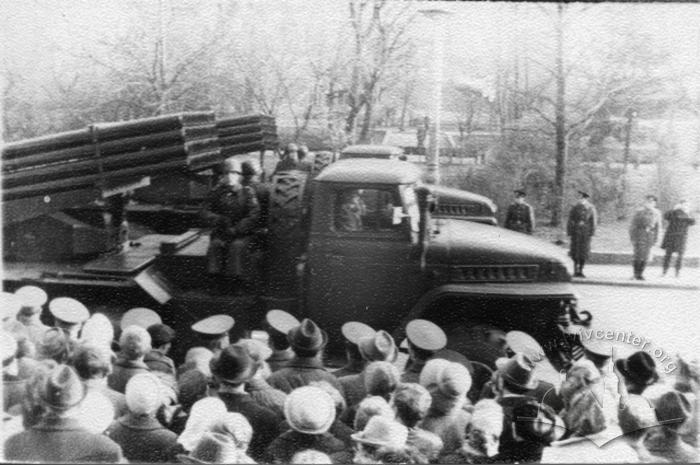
(370, 171)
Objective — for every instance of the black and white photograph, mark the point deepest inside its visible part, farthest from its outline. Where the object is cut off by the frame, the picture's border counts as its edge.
(350, 232)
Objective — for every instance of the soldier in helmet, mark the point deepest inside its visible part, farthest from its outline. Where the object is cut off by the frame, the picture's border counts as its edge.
(520, 216)
(289, 159)
(232, 210)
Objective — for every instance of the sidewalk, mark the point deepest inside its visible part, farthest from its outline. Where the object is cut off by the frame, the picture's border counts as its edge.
(620, 275)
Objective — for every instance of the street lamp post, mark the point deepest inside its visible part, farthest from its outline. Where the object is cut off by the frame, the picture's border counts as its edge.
(433, 156)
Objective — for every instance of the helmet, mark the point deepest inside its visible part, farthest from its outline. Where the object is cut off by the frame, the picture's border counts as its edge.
(231, 165)
(250, 168)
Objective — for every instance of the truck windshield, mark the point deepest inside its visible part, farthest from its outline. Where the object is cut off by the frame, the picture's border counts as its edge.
(365, 209)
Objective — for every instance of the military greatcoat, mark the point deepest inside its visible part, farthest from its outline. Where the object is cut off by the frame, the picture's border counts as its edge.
(581, 227)
(644, 231)
(677, 232)
(520, 217)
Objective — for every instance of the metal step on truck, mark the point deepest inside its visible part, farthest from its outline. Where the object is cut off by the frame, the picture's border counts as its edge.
(403, 255)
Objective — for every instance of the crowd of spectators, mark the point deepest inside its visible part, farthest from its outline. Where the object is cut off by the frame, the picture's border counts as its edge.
(90, 390)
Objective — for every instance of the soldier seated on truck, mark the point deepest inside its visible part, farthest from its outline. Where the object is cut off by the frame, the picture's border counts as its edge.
(232, 211)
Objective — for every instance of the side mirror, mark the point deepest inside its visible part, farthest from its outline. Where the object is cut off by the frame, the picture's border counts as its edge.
(397, 215)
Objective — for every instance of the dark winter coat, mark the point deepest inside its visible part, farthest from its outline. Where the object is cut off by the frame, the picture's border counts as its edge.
(520, 217)
(677, 232)
(289, 443)
(143, 439)
(232, 211)
(61, 440)
(644, 231)
(264, 421)
(301, 372)
(123, 371)
(583, 219)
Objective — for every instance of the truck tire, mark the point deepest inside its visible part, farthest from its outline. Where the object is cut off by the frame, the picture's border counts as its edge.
(287, 230)
(286, 205)
(321, 160)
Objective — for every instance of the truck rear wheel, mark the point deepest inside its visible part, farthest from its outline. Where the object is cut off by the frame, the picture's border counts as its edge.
(321, 160)
(287, 229)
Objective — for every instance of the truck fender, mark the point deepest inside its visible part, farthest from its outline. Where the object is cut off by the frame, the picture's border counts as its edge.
(527, 291)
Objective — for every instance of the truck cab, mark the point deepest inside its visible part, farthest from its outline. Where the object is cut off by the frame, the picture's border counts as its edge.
(376, 254)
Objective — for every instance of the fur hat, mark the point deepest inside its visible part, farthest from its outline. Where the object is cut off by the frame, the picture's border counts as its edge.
(233, 365)
(143, 394)
(370, 407)
(309, 410)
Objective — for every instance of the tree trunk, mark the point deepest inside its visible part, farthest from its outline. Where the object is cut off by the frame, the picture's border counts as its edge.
(366, 123)
(560, 122)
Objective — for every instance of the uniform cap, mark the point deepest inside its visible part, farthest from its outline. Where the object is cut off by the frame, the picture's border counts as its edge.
(383, 432)
(10, 305)
(140, 316)
(68, 310)
(426, 335)
(583, 194)
(309, 410)
(380, 347)
(519, 193)
(652, 197)
(31, 297)
(281, 321)
(213, 326)
(519, 341)
(596, 345)
(98, 330)
(353, 331)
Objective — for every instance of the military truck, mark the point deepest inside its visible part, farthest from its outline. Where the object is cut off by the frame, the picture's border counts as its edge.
(404, 261)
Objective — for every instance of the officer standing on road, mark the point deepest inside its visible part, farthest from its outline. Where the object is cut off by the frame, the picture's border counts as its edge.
(583, 219)
(232, 210)
(520, 216)
(679, 220)
(644, 232)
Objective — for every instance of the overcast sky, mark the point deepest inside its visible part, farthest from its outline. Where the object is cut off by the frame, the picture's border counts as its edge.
(38, 35)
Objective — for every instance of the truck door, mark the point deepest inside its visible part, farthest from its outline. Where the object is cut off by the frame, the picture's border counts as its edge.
(363, 261)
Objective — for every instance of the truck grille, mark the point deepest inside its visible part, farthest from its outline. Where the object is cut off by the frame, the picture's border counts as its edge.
(459, 210)
(494, 273)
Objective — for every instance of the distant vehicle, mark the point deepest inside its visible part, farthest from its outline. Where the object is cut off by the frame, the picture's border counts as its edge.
(387, 152)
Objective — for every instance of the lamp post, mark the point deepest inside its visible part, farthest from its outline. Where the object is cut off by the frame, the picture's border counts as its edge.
(433, 156)
(630, 114)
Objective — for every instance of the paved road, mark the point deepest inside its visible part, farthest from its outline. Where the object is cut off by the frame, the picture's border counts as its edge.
(668, 318)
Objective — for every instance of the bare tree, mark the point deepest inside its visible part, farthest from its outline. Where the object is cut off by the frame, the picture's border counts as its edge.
(381, 46)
